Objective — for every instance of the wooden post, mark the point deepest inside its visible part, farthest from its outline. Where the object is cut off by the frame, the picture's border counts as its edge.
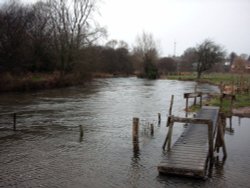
(200, 100)
(135, 134)
(167, 139)
(221, 87)
(170, 109)
(152, 129)
(186, 107)
(221, 100)
(81, 131)
(14, 121)
(195, 91)
(159, 118)
(231, 103)
(171, 105)
(230, 121)
(170, 131)
(135, 127)
(221, 132)
(210, 140)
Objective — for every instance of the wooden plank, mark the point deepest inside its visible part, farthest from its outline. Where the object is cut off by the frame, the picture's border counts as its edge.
(189, 154)
(192, 95)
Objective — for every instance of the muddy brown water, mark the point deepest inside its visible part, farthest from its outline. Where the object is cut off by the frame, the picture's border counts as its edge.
(47, 151)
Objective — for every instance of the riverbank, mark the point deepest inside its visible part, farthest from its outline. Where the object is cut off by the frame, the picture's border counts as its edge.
(37, 81)
(10, 82)
(237, 84)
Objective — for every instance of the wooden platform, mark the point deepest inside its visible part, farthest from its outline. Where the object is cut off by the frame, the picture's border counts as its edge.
(189, 154)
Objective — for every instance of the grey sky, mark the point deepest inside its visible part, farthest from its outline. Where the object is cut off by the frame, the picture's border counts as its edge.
(187, 22)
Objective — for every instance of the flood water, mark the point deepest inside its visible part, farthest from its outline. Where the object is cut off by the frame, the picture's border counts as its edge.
(47, 151)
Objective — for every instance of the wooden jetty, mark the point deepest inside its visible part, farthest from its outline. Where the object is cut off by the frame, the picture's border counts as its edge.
(190, 154)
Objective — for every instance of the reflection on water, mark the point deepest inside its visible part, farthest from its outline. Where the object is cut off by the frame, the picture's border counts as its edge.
(49, 151)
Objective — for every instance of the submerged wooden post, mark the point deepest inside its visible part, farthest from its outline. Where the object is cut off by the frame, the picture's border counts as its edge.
(220, 141)
(221, 133)
(135, 127)
(135, 134)
(210, 140)
(152, 129)
(230, 121)
(195, 91)
(159, 118)
(14, 121)
(186, 107)
(170, 131)
(81, 131)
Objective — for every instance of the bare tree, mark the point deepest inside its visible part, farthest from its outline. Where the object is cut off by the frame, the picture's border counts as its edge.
(189, 58)
(15, 20)
(73, 28)
(208, 53)
(166, 65)
(239, 65)
(146, 50)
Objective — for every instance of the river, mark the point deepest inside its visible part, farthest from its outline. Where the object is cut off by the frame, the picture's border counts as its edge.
(47, 150)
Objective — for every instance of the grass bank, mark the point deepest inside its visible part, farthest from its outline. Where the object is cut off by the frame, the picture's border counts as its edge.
(239, 84)
(37, 81)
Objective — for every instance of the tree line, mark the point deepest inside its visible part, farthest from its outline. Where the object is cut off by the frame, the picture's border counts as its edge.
(63, 36)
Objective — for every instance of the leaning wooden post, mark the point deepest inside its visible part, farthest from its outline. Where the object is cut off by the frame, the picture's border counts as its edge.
(168, 122)
(170, 108)
(169, 134)
(171, 105)
(14, 121)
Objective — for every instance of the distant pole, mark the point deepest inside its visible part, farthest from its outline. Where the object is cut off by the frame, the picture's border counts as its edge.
(174, 48)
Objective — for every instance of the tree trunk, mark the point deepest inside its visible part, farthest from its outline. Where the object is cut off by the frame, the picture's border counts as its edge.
(198, 75)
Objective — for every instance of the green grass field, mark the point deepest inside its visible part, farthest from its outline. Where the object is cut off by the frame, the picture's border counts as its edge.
(228, 79)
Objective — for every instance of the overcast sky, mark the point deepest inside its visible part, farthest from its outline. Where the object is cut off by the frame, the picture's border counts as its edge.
(186, 22)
